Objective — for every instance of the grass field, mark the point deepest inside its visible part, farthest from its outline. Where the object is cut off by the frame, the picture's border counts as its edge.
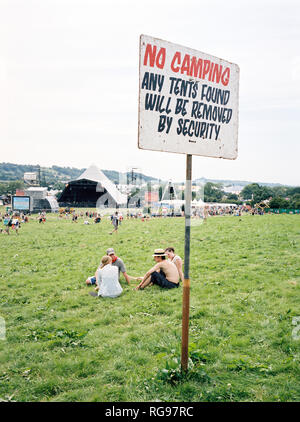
(64, 345)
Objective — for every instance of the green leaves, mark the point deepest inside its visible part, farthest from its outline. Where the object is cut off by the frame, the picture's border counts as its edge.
(172, 372)
(58, 337)
(245, 364)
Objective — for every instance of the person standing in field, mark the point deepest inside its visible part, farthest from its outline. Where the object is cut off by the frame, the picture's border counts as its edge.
(205, 214)
(115, 222)
(7, 221)
(15, 225)
(176, 260)
(164, 273)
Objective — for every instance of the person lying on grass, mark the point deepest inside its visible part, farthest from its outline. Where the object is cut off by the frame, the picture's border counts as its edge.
(164, 273)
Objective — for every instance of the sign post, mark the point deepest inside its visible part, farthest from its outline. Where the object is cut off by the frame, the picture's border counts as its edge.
(188, 104)
(186, 281)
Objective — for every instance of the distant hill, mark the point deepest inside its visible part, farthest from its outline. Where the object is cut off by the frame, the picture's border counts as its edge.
(50, 175)
(226, 182)
(10, 171)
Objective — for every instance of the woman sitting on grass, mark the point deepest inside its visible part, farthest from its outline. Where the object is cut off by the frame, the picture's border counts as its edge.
(107, 279)
(176, 260)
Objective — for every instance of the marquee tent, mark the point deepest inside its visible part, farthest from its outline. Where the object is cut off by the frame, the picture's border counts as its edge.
(92, 188)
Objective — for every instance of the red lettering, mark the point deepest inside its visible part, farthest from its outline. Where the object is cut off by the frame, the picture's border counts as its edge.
(196, 67)
(210, 72)
(151, 53)
(186, 64)
(206, 68)
(217, 73)
(192, 66)
(225, 76)
(161, 58)
(178, 58)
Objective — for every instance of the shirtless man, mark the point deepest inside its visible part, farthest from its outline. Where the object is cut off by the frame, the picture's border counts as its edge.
(164, 273)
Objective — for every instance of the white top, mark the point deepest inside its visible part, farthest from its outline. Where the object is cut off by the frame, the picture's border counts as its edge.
(176, 258)
(108, 281)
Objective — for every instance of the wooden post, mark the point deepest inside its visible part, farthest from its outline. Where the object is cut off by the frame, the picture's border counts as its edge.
(186, 281)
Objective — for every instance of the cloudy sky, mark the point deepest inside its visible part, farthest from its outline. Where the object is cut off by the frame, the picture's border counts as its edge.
(69, 82)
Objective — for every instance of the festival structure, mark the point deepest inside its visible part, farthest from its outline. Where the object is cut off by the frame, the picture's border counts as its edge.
(39, 200)
(92, 188)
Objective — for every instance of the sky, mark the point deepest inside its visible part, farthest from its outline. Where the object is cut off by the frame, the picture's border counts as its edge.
(69, 82)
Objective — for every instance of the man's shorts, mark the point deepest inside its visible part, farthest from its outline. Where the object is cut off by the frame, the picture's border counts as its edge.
(160, 279)
(92, 280)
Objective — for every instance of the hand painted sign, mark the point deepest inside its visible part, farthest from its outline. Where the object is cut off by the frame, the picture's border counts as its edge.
(188, 101)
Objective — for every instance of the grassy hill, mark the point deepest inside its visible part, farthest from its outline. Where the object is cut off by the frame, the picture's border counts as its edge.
(228, 182)
(64, 345)
(10, 172)
(54, 174)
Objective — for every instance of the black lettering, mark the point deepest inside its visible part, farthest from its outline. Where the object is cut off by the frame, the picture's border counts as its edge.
(195, 90)
(150, 101)
(202, 130)
(203, 95)
(145, 82)
(161, 123)
(229, 115)
(179, 128)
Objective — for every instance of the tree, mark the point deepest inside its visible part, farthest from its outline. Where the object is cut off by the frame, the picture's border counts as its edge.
(249, 190)
(279, 203)
(213, 192)
(295, 201)
(256, 192)
(281, 191)
(293, 191)
(3, 188)
(232, 197)
(11, 187)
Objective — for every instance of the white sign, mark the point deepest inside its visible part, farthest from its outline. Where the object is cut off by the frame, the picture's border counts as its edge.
(188, 101)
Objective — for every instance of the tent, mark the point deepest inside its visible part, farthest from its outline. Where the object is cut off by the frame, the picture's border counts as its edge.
(92, 188)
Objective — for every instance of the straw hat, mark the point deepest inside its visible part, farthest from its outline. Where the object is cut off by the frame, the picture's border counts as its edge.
(159, 252)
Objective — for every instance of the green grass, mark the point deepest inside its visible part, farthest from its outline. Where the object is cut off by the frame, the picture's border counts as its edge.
(64, 345)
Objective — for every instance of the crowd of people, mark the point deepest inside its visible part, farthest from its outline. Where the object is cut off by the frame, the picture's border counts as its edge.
(167, 270)
(12, 221)
(166, 273)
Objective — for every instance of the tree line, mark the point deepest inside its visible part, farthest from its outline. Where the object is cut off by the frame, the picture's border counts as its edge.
(278, 196)
(252, 194)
